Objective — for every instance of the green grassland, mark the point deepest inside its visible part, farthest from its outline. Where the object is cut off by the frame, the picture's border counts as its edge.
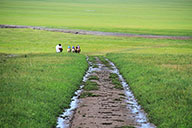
(37, 83)
(35, 87)
(21, 41)
(162, 84)
(164, 17)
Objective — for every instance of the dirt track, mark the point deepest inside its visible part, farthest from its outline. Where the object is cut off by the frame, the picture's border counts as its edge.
(105, 111)
(108, 108)
(84, 32)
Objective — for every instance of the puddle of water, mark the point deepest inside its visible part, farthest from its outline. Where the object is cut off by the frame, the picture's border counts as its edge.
(12, 55)
(141, 116)
(63, 121)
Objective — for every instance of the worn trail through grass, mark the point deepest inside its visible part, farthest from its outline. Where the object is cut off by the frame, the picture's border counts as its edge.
(86, 32)
(106, 101)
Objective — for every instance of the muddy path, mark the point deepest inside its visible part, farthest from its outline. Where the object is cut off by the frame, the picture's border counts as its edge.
(108, 105)
(85, 32)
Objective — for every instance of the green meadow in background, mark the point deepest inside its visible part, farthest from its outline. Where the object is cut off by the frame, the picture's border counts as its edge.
(164, 17)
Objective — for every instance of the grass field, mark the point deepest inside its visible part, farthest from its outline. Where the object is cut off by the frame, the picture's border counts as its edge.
(162, 84)
(21, 41)
(164, 17)
(38, 83)
(36, 87)
(35, 84)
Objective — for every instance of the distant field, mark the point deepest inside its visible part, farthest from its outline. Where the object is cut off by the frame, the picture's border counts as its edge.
(25, 41)
(164, 17)
(38, 83)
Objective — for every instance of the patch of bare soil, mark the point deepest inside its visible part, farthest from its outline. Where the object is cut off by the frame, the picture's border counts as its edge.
(107, 109)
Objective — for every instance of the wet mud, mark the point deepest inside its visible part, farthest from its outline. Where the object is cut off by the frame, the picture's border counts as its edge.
(85, 32)
(108, 107)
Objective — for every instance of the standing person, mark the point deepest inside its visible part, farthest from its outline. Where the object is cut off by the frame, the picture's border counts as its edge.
(59, 48)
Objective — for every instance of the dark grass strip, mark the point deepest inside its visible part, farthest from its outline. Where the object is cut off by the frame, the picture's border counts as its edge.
(93, 78)
(104, 61)
(115, 80)
(87, 94)
(90, 85)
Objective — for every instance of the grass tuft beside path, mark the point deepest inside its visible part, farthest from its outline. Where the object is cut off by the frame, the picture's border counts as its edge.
(115, 80)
